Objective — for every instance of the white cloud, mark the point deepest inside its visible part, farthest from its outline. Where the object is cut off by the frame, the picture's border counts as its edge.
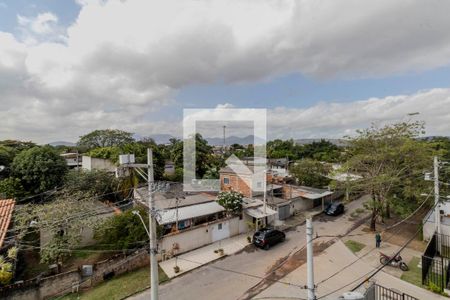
(121, 60)
(43, 23)
(334, 120)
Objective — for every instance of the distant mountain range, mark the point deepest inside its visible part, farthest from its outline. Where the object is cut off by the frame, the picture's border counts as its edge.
(213, 141)
(161, 138)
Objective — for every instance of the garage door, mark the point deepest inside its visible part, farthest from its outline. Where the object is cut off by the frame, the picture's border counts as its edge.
(284, 212)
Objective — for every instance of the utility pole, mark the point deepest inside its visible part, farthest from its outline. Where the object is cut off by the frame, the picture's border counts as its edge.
(436, 196)
(224, 145)
(176, 220)
(309, 259)
(265, 191)
(154, 280)
(127, 161)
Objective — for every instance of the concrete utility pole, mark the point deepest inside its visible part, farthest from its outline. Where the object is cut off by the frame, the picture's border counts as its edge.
(436, 196)
(224, 145)
(177, 202)
(154, 280)
(309, 259)
(265, 191)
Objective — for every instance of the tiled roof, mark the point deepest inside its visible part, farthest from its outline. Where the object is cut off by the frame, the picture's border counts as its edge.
(6, 211)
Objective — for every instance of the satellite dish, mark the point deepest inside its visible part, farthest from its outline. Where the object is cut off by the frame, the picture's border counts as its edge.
(2, 168)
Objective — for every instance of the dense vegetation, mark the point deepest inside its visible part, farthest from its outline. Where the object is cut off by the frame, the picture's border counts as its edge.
(390, 160)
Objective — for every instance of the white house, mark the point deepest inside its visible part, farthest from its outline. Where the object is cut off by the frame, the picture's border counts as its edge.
(429, 221)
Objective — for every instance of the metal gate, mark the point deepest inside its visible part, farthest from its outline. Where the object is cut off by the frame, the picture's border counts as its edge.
(284, 212)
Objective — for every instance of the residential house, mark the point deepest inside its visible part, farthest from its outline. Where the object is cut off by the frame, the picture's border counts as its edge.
(244, 182)
(191, 221)
(73, 159)
(93, 163)
(169, 168)
(429, 221)
(304, 197)
(286, 199)
(255, 213)
(6, 213)
(102, 164)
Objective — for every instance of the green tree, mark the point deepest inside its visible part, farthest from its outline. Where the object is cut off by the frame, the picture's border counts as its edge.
(123, 231)
(6, 155)
(311, 173)
(111, 153)
(203, 155)
(5, 271)
(17, 145)
(61, 220)
(106, 138)
(283, 149)
(91, 183)
(322, 151)
(39, 169)
(391, 161)
(11, 188)
(231, 201)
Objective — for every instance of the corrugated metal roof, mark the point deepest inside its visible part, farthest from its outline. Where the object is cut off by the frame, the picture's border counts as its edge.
(6, 211)
(189, 212)
(258, 212)
(186, 201)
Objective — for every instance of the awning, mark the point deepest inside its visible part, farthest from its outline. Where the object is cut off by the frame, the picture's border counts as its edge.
(188, 212)
(314, 196)
(258, 212)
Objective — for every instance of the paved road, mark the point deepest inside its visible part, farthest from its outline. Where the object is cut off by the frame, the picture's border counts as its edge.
(234, 276)
(335, 259)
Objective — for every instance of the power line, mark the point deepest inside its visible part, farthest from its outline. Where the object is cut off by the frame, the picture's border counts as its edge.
(360, 257)
(376, 270)
(246, 274)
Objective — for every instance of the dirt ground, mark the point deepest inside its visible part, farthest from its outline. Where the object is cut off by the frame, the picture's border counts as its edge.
(400, 234)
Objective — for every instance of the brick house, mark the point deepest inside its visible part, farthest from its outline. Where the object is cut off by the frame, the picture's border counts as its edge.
(242, 182)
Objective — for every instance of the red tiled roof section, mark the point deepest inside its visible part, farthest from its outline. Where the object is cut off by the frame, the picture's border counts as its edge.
(6, 211)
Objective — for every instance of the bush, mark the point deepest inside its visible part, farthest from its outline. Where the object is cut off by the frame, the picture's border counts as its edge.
(39, 169)
(232, 201)
(124, 231)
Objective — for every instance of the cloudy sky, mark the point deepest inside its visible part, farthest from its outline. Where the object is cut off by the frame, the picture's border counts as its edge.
(321, 68)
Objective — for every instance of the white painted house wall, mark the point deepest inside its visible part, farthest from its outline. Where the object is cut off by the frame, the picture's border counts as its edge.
(201, 235)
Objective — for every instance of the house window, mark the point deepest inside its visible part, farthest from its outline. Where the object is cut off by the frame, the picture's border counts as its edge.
(226, 180)
(219, 226)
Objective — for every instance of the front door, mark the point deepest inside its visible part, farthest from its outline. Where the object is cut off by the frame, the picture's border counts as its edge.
(220, 231)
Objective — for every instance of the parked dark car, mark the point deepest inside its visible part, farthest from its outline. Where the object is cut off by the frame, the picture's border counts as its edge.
(267, 237)
(334, 209)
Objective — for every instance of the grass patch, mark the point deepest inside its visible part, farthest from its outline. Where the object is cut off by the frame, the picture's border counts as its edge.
(360, 210)
(119, 287)
(414, 274)
(354, 246)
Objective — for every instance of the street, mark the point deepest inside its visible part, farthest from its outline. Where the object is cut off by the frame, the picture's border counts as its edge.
(241, 276)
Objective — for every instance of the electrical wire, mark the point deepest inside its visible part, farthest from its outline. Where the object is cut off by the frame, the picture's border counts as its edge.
(375, 271)
(374, 248)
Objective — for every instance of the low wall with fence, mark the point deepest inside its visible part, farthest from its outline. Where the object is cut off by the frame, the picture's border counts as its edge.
(60, 284)
(436, 262)
(378, 292)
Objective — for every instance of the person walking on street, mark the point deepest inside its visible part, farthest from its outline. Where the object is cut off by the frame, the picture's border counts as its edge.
(378, 240)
